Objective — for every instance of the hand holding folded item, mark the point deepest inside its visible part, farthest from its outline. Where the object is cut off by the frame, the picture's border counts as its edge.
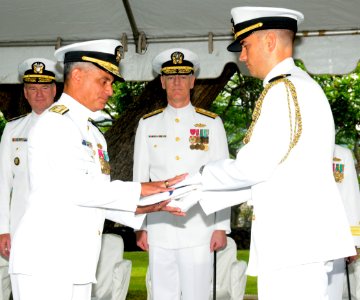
(188, 200)
(179, 192)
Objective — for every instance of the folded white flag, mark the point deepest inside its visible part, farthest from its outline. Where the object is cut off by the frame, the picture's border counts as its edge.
(180, 191)
(188, 200)
(194, 179)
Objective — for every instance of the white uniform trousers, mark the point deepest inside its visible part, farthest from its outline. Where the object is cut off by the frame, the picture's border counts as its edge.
(304, 282)
(354, 276)
(5, 284)
(27, 287)
(336, 279)
(184, 273)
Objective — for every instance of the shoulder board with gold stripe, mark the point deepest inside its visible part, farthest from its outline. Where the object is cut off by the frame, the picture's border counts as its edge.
(153, 113)
(205, 112)
(59, 109)
(282, 76)
(17, 118)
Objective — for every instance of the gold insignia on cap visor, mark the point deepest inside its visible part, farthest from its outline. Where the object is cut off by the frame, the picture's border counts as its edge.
(252, 27)
(38, 78)
(105, 64)
(177, 70)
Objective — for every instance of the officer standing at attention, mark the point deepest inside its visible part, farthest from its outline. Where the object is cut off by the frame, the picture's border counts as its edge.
(347, 182)
(173, 140)
(56, 246)
(39, 76)
(299, 222)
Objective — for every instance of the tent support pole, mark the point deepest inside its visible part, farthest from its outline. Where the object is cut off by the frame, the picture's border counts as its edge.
(140, 37)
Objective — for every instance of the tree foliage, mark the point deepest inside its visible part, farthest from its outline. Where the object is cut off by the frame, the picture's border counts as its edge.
(343, 93)
(234, 105)
(2, 123)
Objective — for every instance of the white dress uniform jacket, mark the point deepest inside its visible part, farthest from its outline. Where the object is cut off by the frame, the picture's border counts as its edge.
(170, 142)
(298, 214)
(346, 178)
(71, 192)
(14, 183)
(14, 179)
(347, 182)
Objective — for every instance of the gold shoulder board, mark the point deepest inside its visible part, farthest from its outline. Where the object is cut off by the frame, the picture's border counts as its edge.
(153, 113)
(205, 112)
(59, 109)
(17, 118)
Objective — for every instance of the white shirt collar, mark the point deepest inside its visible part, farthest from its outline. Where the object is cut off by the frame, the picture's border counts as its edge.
(281, 68)
(180, 111)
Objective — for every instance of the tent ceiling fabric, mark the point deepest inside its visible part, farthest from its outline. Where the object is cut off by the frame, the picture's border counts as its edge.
(329, 37)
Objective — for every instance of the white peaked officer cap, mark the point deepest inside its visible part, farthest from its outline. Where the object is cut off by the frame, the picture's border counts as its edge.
(248, 19)
(105, 54)
(176, 61)
(39, 70)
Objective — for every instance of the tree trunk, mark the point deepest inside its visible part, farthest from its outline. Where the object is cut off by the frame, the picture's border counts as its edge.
(120, 137)
(12, 101)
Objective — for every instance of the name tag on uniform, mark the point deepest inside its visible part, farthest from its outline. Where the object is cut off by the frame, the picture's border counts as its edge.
(157, 135)
(19, 139)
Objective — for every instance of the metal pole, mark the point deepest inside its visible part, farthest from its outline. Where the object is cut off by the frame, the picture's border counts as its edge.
(214, 277)
(347, 278)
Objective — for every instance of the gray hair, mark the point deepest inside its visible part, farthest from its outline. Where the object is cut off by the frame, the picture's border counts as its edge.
(70, 66)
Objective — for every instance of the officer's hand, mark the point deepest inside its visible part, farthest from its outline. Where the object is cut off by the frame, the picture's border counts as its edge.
(154, 187)
(353, 258)
(5, 245)
(160, 206)
(141, 240)
(218, 240)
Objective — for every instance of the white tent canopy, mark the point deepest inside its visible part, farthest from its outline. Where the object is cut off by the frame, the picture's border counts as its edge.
(329, 37)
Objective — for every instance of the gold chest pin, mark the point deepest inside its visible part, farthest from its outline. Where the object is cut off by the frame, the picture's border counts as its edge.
(16, 161)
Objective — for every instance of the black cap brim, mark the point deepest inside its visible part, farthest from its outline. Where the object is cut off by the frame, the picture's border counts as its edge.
(235, 46)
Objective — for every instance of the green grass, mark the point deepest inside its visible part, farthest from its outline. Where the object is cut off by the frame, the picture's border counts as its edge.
(137, 288)
(251, 282)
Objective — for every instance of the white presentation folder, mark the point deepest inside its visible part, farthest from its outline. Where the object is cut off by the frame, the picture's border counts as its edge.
(175, 195)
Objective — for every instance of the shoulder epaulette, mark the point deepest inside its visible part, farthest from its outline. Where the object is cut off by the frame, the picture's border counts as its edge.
(17, 118)
(153, 113)
(59, 109)
(282, 76)
(205, 112)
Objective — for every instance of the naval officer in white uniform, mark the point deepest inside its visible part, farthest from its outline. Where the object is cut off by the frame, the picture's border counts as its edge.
(177, 139)
(56, 246)
(347, 182)
(299, 222)
(39, 77)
